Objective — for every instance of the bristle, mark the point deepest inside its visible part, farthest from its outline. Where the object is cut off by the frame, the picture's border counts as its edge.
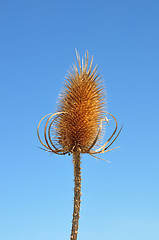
(82, 102)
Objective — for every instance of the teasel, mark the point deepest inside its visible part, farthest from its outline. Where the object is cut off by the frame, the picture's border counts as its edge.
(77, 126)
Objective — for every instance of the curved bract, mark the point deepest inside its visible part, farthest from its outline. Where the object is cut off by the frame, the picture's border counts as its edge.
(47, 135)
(50, 146)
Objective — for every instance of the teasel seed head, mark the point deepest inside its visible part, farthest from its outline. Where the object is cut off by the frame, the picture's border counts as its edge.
(82, 102)
(78, 123)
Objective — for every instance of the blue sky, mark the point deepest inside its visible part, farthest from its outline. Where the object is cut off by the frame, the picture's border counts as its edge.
(37, 46)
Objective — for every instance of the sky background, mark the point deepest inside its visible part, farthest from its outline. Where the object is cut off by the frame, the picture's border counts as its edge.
(120, 199)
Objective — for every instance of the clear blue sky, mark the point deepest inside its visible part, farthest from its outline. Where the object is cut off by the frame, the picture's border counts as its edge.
(120, 200)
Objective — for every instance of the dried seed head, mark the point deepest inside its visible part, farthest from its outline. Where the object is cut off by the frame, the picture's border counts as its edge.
(82, 102)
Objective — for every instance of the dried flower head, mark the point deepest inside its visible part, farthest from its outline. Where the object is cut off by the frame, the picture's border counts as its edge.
(78, 122)
(82, 104)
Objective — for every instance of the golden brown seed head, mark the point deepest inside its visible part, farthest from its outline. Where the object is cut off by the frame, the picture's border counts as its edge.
(82, 103)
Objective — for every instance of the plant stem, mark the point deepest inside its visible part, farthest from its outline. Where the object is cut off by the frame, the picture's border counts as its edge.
(77, 194)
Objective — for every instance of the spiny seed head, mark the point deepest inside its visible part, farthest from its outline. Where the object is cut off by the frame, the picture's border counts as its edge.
(82, 102)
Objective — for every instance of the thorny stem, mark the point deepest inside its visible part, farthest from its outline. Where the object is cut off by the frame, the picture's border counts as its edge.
(77, 194)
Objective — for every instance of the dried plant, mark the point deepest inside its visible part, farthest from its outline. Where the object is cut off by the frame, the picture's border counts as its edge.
(77, 125)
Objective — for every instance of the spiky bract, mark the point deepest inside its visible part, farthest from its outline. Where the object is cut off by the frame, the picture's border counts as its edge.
(82, 104)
